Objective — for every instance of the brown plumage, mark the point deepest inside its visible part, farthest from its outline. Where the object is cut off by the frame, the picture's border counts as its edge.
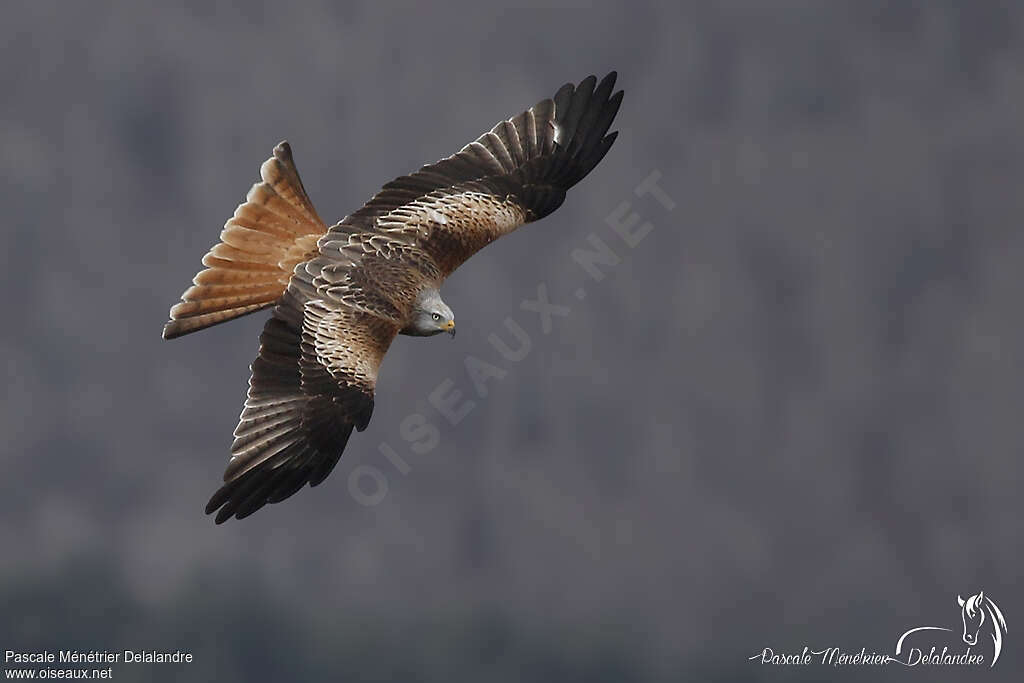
(343, 294)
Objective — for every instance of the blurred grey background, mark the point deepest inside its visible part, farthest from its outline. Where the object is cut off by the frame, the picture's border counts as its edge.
(790, 415)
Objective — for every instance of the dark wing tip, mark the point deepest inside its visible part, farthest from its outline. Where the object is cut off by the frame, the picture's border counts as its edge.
(608, 82)
(283, 151)
(223, 516)
(584, 115)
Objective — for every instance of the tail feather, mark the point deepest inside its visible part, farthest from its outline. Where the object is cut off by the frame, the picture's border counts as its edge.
(194, 323)
(273, 231)
(209, 291)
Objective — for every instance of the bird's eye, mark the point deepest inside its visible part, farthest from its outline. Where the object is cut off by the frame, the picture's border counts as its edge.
(435, 316)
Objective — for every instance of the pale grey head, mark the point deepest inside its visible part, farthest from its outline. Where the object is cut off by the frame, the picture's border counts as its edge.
(430, 315)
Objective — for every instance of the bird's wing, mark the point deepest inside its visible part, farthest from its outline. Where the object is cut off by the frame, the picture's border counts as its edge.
(516, 173)
(314, 379)
(269, 234)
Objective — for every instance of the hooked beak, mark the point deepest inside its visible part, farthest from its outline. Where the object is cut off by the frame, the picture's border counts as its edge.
(449, 327)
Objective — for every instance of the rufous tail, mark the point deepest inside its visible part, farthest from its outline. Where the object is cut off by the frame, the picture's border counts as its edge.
(275, 229)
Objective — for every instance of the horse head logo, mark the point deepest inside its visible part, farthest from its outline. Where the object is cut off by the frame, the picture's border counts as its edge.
(979, 612)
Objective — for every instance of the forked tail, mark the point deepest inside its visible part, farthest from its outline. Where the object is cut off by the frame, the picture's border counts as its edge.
(273, 231)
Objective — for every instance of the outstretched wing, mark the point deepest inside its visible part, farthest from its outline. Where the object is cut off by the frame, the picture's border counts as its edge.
(311, 385)
(516, 173)
(314, 379)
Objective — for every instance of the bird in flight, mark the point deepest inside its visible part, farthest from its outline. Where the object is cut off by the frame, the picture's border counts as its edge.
(342, 294)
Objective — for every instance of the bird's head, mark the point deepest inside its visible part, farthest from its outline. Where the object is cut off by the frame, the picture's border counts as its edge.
(430, 316)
